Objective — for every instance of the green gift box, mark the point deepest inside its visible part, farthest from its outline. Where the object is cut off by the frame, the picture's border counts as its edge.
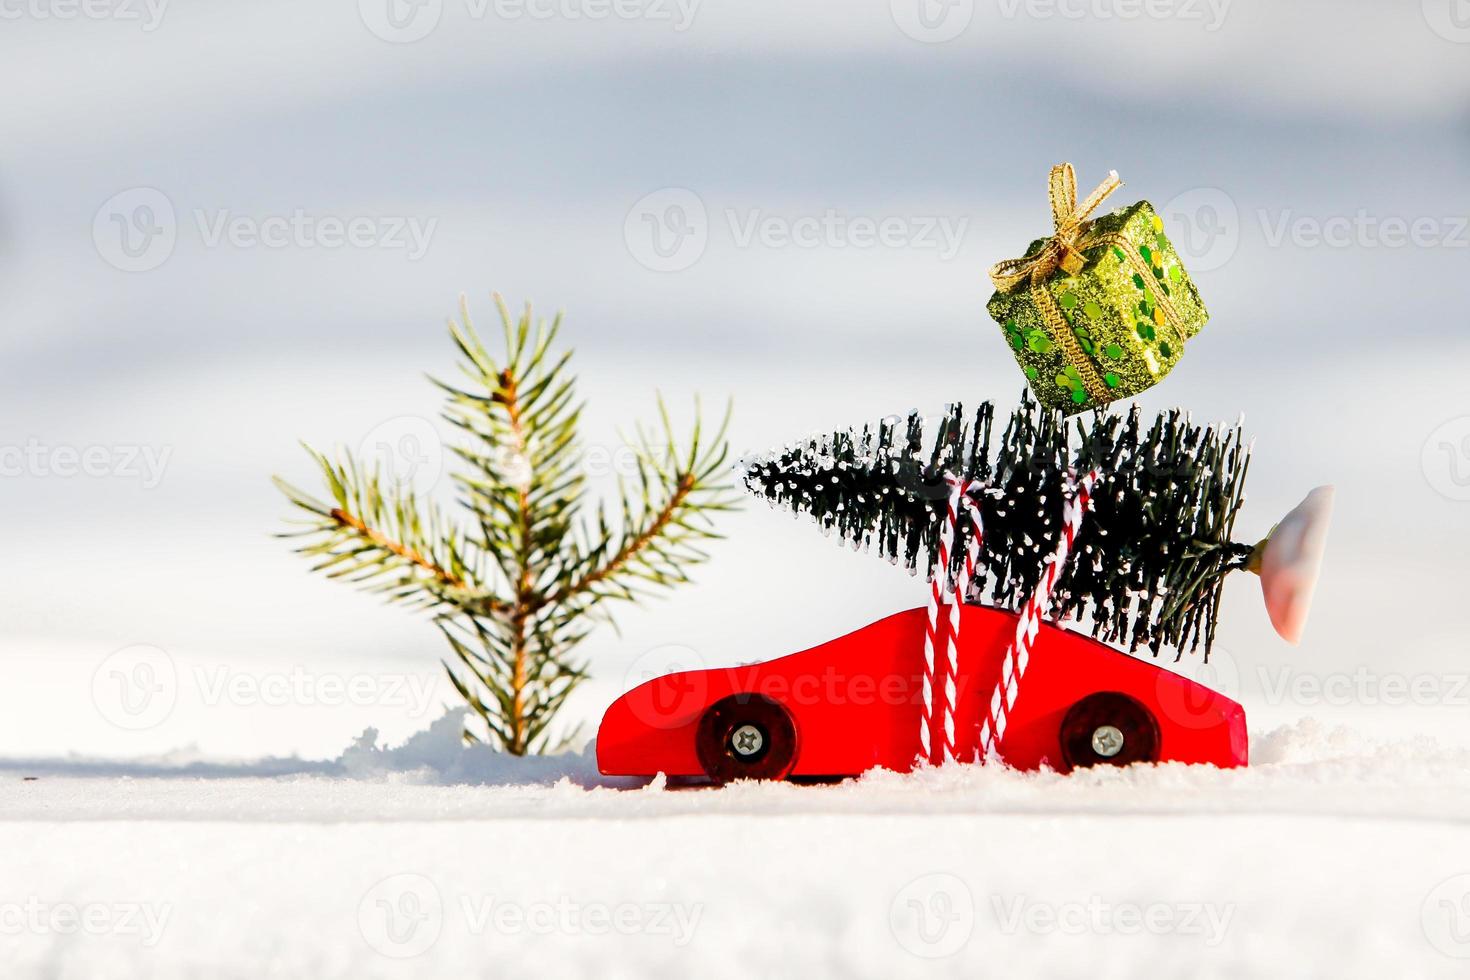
(1100, 310)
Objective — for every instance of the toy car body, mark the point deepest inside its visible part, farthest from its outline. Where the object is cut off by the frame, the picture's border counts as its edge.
(855, 703)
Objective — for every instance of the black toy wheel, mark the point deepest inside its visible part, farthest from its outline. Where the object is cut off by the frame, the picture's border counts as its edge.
(746, 736)
(1109, 729)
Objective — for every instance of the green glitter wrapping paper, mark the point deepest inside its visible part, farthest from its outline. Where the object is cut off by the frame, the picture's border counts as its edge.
(1125, 340)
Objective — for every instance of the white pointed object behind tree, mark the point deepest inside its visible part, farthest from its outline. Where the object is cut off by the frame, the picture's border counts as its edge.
(1289, 560)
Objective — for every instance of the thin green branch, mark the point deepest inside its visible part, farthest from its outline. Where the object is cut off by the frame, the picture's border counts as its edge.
(516, 595)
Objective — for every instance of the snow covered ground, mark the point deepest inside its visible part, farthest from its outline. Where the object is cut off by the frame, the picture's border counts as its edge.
(147, 607)
(1332, 856)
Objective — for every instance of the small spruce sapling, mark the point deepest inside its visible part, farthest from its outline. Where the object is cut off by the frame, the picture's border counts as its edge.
(523, 581)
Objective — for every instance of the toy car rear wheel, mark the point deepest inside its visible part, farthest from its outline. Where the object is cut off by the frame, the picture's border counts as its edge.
(746, 736)
(1109, 729)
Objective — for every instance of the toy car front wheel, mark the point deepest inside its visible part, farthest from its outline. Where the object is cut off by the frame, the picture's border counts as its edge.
(746, 736)
(1109, 729)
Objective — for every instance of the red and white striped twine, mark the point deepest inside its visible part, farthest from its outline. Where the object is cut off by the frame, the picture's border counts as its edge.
(947, 636)
(1018, 654)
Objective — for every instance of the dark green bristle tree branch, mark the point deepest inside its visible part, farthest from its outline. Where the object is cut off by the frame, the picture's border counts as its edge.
(519, 585)
(1152, 553)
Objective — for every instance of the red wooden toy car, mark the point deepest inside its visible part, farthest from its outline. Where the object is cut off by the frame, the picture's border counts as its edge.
(855, 702)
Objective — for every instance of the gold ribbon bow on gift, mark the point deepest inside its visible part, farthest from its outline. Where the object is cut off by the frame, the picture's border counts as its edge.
(1063, 249)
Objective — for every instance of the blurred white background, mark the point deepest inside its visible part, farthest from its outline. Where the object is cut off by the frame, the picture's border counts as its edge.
(225, 227)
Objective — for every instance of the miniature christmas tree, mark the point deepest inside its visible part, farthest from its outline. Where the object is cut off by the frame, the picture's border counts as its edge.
(1151, 556)
(520, 588)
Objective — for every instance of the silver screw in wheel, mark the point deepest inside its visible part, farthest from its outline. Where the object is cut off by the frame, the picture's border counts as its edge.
(747, 740)
(1107, 741)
